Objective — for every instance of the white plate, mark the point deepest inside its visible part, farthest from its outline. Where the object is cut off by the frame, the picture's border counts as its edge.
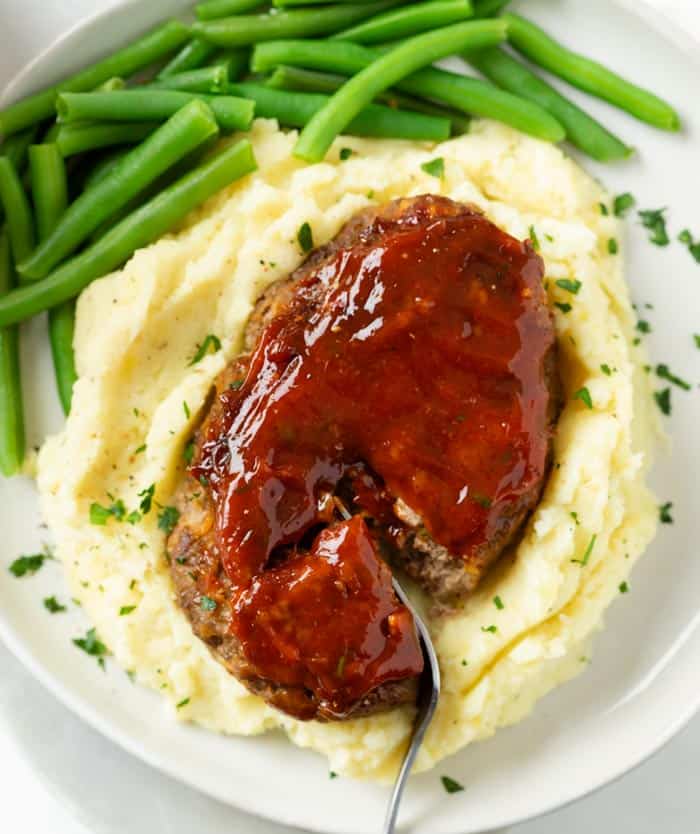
(644, 682)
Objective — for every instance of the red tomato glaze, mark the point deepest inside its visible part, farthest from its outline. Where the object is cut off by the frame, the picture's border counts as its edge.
(410, 366)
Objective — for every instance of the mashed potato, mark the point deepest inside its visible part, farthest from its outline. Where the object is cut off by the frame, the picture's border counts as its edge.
(138, 397)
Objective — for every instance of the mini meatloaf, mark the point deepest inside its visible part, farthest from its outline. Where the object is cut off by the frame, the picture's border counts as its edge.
(395, 405)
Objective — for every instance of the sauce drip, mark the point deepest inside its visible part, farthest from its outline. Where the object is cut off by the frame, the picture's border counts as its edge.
(409, 365)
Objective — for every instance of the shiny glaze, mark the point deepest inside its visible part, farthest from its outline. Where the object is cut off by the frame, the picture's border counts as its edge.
(407, 366)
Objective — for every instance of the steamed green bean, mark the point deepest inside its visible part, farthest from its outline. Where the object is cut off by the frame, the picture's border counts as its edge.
(12, 441)
(185, 131)
(18, 212)
(124, 63)
(193, 55)
(589, 75)
(89, 136)
(225, 8)
(144, 226)
(203, 80)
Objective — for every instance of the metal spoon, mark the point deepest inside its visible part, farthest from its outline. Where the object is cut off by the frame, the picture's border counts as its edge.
(428, 694)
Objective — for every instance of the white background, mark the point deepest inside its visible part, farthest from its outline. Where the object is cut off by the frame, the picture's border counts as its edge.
(661, 797)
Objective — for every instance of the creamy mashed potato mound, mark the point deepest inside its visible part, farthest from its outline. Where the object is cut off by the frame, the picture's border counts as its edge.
(138, 330)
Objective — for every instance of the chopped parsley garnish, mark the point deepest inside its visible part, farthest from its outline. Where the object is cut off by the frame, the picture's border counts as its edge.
(450, 785)
(211, 343)
(100, 515)
(663, 400)
(345, 153)
(664, 372)
(492, 629)
(665, 516)
(624, 588)
(146, 497)
(655, 222)
(584, 395)
(436, 167)
(305, 238)
(569, 285)
(498, 602)
(574, 515)
(565, 308)
(643, 326)
(696, 338)
(53, 606)
(168, 517)
(134, 517)
(236, 384)
(182, 703)
(603, 209)
(332, 775)
(93, 646)
(186, 409)
(606, 369)
(207, 604)
(140, 449)
(613, 247)
(27, 564)
(534, 239)
(126, 609)
(587, 555)
(465, 662)
(188, 452)
(622, 204)
(693, 245)
(481, 500)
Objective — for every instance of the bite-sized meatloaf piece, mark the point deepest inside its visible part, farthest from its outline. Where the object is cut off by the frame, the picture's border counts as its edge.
(405, 374)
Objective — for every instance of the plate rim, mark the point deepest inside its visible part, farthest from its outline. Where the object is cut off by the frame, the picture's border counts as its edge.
(659, 20)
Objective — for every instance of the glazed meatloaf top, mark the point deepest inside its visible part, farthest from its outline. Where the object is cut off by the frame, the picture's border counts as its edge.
(394, 406)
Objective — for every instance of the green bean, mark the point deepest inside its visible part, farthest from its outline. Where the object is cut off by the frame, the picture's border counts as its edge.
(202, 80)
(235, 61)
(489, 8)
(141, 105)
(411, 20)
(310, 81)
(384, 72)
(11, 407)
(111, 85)
(285, 4)
(104, 167)
(251, 29)
(297, 109)
(17, 211)
(16, 147)
(89, 136)
(124, 63)
(582, 130)
(589, 75)
(49, 187)
(193, 55)
(225, 8)
(185, 131)
(468, 95)
(50, 192)
(140, 229)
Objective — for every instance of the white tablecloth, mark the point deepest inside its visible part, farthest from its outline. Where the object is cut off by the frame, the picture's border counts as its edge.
(661, 797)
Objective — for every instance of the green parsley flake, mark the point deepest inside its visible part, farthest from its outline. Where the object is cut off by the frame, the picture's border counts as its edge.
(168, 517)
(622, 204)
(436, 167)
(655, 222)
(332, 775)
(565, 308)
(134, 517)
(188, 452)
(606, 369)
(28, 564)
(211, 343)
(569, 285)
(345, 153)
(140, 450)
(207, 604)
(236, 384)
(100, 515)
(305, 238)
(624, 588)
(450, 785)
(663, 400)
(693, 245)
(498, 602)
(603, 209)
(613, 247)
(53, 606)
(126, 610)
(93, 646)
(534, 239)
(574, 515)
(587, 555)
(182, 703)
(584, 395)
(696, 339)
(146, 497)
(665, 516)
(186, 409)
(664, 372)
(492, 629)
